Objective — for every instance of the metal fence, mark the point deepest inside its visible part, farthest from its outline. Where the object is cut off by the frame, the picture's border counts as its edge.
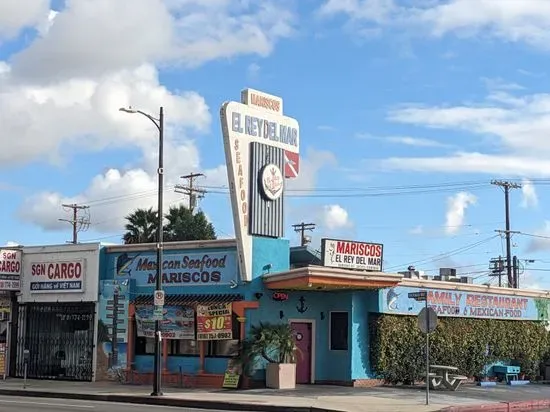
(60, 340)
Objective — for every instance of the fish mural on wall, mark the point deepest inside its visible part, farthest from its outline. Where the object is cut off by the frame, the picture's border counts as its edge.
(123, 261)
(391, 299)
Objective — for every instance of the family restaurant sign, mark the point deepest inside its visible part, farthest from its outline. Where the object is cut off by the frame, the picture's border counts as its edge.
(463, 304)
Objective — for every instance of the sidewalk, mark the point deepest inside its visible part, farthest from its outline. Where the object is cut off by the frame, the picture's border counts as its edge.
(303, 399)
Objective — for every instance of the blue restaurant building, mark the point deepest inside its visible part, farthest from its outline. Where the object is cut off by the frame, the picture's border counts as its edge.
(330, 307)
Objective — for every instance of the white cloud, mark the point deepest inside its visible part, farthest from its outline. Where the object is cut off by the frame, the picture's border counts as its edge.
(471, 163)
(526, 21)
(83, 114)
(417, 230)
(326, 128)
(541, 241)
(16, 15)
(456, 210)
(335, 217)
(11, 243)
(513, 125)
(253, 72)
(188, 32)
(404, 140)
(529, 194)
(310, 165)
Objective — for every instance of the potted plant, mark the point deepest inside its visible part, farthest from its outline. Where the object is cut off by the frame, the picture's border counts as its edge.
(275, 344)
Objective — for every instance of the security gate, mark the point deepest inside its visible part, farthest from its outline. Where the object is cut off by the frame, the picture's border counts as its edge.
(60, 340)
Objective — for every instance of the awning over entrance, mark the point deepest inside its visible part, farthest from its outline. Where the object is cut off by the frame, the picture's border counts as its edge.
(324, 278)
(190, 300)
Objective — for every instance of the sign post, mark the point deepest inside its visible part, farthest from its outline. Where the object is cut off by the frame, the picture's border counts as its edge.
(427, 322)
(26, 356)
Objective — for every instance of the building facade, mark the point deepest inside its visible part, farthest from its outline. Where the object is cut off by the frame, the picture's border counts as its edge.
(55, 320)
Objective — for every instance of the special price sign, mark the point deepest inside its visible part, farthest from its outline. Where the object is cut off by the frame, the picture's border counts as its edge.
(214, 322)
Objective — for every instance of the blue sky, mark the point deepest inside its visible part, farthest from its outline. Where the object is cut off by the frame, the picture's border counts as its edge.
(407, 110)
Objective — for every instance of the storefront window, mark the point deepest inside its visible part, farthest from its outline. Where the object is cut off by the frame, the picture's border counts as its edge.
(185, 347)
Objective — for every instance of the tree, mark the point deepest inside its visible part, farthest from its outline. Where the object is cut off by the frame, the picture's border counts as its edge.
(141, 226)
(182, 224)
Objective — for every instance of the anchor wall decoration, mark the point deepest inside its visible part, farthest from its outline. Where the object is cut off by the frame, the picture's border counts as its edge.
(302, 308)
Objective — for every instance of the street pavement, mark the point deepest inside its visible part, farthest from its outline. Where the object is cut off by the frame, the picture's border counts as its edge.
(21, 404)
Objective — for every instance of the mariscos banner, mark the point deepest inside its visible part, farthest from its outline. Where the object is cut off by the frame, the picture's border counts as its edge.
(178, 322)
(67, 276)
(455, 303)
(347, 254)
(179, 269)
(214, 322)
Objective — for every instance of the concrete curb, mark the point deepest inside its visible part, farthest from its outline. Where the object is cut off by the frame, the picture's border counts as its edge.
(518, 406)
(162, 401)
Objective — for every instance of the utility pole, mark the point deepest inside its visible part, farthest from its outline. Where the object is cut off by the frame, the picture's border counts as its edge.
(507, 186)
(79, 224)
(301, 228)
(496, 266)
(190, 190)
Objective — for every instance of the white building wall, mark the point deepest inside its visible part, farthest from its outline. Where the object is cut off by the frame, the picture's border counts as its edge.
(87, 254)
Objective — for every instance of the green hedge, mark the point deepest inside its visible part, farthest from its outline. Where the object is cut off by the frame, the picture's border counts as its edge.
(398, 346)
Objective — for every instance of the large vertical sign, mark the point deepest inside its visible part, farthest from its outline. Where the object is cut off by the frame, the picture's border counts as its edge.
(10, 269)
(258, 118)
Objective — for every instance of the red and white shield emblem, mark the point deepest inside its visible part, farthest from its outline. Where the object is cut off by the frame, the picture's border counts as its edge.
(292, 164)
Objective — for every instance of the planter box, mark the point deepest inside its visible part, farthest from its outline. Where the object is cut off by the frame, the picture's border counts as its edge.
(280, 375)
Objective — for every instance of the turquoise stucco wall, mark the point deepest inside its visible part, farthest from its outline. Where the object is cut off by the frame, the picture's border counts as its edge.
(363, 303)
(329, 365)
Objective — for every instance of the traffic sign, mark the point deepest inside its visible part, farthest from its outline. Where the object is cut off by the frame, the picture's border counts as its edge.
(159, 298)
(427, 320)
(158, 313)
(418, 296)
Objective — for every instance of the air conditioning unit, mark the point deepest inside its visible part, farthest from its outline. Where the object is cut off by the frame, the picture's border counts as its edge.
(437, 277)
(427, 277)
(447, 271)
(410, 274)
(466, 279)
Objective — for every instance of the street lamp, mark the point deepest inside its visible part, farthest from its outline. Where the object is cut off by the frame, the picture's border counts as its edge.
(159, 123)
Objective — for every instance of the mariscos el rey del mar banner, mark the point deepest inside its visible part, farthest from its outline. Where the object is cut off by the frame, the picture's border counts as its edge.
(179, 269)
(457, 303)
(348, 254)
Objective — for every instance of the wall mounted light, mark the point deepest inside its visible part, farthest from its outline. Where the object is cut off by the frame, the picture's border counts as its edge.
(322, 315)
(258, 295)
(281, 314)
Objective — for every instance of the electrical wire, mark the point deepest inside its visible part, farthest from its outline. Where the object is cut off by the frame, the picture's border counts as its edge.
(445, 255)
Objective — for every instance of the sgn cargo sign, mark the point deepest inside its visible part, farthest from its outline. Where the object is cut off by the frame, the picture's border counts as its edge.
(347, 254)
(55, 277)
(10, 269)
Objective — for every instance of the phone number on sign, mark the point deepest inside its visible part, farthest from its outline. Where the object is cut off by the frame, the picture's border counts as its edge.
(215, 336)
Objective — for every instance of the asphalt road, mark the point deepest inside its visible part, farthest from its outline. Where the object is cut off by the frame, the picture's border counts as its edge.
(20, 404)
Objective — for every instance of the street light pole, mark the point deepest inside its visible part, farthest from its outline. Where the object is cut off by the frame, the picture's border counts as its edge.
(159, 123)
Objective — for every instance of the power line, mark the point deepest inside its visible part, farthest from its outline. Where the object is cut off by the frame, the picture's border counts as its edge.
(507, 185)
(191, 191)
(301, 228)
(79, 224)
(445, 255)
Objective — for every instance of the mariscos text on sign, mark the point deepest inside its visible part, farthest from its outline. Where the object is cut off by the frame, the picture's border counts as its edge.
(58, 270)
(359, 249)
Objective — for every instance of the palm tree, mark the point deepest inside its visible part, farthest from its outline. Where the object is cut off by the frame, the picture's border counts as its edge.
(184, 225)
(141, 226)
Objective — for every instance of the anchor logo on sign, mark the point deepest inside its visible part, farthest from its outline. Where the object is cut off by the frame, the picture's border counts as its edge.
(302, 306)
